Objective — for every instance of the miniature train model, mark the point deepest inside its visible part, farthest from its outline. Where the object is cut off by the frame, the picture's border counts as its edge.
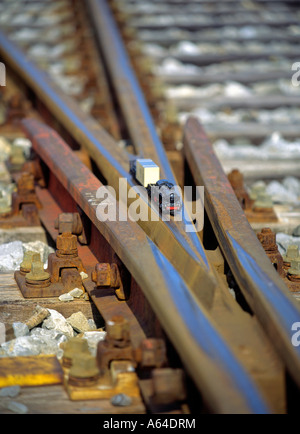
(163, 192)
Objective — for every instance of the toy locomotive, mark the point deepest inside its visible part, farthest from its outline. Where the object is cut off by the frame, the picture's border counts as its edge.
(163, 192)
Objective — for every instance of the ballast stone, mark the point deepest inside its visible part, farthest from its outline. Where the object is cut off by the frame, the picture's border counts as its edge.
(58, 322)
(79, 322)
(20, 329)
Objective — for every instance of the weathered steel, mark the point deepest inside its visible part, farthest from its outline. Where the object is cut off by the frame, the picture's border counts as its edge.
(79, 124)
(134, 108)
(266, 294)
(183, 249)
(207, 358)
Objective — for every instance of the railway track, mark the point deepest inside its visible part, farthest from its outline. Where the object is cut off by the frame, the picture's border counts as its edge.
(176, 340)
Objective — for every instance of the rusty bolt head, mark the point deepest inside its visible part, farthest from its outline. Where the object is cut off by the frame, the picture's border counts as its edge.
(117, 329)
(295, 268)
(236, 179)
(72, 348)
(28, 259)
(17, 155)
(68, 222)
(267, 238)
(25, 183)
(291, 253)
(257, 189)
(106, 275)
(84, 365)
(102, 275)
(66, 243)
(168, 385)
(152, 353)
(37, 273)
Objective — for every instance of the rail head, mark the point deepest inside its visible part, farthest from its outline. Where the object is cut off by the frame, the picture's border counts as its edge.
(261, 285)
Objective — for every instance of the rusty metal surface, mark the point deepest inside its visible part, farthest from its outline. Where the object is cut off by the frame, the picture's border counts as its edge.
(81, 126)
(262, 287)
(207, 358)
(131, 98)
(185, 251)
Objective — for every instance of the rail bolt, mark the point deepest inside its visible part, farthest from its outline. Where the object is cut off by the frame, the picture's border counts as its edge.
(28, 259)
(268, 239)
(84, 371)
(102, 275)
(17, 156)
(118, 329)
(294, 271)
(72, 348)
(168, 385)
(292, 253)
(68, 222)
(37, 276)
(66, 244)
(236, 179)
(25, 183)
(151, 353)
(107, 275)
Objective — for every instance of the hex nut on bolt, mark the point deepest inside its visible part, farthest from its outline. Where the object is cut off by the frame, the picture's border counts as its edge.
(118, 329)
(37, 277)
(66, 244)
(72, 348)
(168, 385)
(84, 371)
(292, 254)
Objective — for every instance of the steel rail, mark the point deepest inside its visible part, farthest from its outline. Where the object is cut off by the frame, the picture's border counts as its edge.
(131, 99)
(218, 374)
(139, 121)
(185, 250)
(262, 287)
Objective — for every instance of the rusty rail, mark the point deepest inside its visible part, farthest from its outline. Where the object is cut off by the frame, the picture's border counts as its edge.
(179, 272)
(262, 287)
(193, 332)
(131, 98)
(185, 250)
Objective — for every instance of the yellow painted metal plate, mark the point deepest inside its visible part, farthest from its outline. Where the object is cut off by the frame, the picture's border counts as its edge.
(30, 371)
